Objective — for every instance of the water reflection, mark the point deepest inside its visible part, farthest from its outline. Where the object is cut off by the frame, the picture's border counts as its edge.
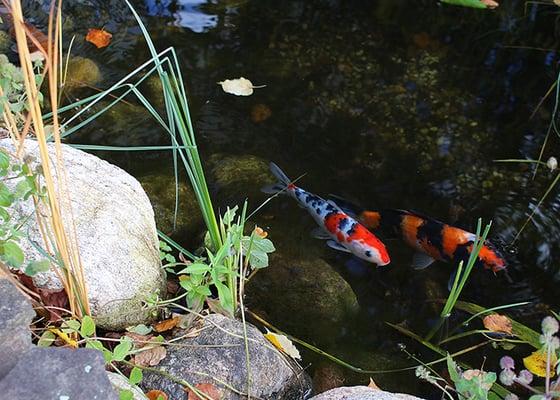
(186, 13)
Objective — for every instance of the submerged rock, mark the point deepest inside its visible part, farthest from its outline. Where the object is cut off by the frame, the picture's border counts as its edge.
(16, 314)
(240, 177)
(294, 290)
(82, 72)
(58, 373)
(361, 393)
(116, 235)
(161, 190)
(218, 354)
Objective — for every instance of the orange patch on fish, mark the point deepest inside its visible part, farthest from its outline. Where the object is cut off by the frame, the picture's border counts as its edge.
(409, 228)
(490, 259)
(370, 219)
(332, 221)
(452, 237)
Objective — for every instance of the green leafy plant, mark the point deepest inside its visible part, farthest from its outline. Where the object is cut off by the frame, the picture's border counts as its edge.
(17, 184)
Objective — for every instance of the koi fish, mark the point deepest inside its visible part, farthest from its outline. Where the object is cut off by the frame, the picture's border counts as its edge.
(432, 239)
(344, 232)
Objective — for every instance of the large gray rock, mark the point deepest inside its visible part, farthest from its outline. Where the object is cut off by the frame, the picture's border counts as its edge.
(16, 314)
(58, 374)
(361, 393)
(120, 383)
(218, 354)
(116, 234)
(283, 291)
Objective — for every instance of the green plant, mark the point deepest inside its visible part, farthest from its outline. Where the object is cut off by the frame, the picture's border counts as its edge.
(17, 184)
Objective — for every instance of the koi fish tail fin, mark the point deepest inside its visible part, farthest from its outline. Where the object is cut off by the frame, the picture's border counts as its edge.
(281, 185)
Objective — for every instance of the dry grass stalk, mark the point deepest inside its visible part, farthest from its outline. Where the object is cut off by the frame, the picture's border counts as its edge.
(70, 269)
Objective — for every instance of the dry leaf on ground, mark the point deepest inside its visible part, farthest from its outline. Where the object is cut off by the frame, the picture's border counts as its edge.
(536, 363)
(156, 395)
(283, 344)
(166, 324)
(139, 340)
(99, 37)
(498, 323)
(206, 388)
(150, 357)
(239, 87)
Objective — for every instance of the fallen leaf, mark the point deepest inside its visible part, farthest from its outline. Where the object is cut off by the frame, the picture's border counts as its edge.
(498, 323)
(239, 87)
(261, 232)
(207, 388)
(139, 340)
(166, 324)
(99, 37)
(283, 344)
(536, 363)
(372, 384)
(156, 395)
(260, 113)
(150, 357)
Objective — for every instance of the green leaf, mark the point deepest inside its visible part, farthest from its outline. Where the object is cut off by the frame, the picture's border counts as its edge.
(35, 267)
(122, 349)
(46, 339)
(97, 345)
(196, 268)
(452, 369)
(4, 214)
(125, 394)
(140, 329)
(258, 259)
(135, 376)
(465, 3)
(4, 160)
(6, 197)
(13, 254)
(88, 327)
(229, 215)
(72, 324)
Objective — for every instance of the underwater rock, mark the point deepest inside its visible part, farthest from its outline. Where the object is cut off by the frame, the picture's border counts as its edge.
(240, 177)
(361, 393)
(82, 72)
(16, 314)
(218, 354)
(327, 376)
(115, 231)
(161, 191)
(307, 296)
(58, 373)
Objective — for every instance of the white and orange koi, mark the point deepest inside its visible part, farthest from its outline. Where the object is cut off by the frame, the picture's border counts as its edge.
(345, 233)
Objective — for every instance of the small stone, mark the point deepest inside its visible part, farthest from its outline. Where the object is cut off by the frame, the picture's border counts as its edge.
(361, 393)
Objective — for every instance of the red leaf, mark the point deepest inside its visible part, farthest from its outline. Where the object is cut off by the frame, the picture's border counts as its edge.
(99, 37)
(206, 388)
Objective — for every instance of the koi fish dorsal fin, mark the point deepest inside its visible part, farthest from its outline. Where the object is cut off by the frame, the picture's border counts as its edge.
(350, 208)
(417, 214)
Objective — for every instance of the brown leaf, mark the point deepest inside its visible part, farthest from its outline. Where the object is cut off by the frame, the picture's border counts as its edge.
(150, 357)
(372, 384)
(498, 323)
(260, 113)
(99, 37)
(139, 340)
(166, 325)
(207, 388)
(156, 395)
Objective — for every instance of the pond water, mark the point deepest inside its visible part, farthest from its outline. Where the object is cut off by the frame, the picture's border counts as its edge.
(390, 103)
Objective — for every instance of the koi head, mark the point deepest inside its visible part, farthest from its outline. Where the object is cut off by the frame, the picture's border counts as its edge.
(492, 258)
(374, 251)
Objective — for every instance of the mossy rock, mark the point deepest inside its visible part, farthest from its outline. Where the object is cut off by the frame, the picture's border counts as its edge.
(240, 177)
(82, 72)
(305, 297)
(161, 191)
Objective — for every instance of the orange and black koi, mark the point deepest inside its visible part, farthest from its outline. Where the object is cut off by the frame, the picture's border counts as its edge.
(434, 240)
(345, 233)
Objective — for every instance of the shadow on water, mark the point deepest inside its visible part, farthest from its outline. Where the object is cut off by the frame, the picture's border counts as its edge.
(389, 103)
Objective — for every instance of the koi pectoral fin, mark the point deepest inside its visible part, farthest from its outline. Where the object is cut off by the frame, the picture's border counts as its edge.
(319, 233)
(421, 261)
(337, 246)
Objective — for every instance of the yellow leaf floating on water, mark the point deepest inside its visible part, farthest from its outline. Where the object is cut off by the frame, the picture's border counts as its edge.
(283, 344)
(239, 87)
(536, 363)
